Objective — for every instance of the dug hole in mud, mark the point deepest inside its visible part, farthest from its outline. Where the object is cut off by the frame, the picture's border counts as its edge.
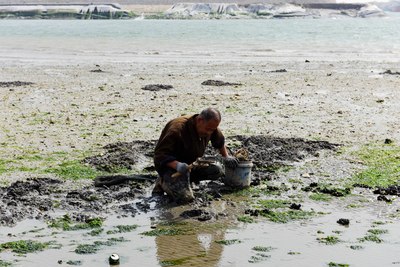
(40, 198)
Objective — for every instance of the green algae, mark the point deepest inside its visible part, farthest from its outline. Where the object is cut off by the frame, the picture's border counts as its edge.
(245, 219)
(328, 189)
(228, 242)
(26, 246)
(320, 197)
(371, 238)
(96, 246)
(287, 216)
(263, 249)
(329, 240)
(273, 203)
(123, 229)
(373, 235)
(174, 262)
(164, 231)
(65, 223)
(383, 166)
(259, 258)
(5, 263)
(75, 262)
(356, 247)
(96, 232)
(377, 231)
(74, 169)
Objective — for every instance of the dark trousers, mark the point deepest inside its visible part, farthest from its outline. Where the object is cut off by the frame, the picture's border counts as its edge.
(179, 188)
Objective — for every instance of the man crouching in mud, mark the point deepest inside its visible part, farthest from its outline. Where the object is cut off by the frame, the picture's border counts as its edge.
(182, 141)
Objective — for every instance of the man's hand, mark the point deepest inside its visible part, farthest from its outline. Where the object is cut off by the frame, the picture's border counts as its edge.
(231, 162)
(182, 167)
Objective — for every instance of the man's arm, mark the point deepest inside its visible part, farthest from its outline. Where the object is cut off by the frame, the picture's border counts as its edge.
(164, 155)
(165, 152)
(223, 151)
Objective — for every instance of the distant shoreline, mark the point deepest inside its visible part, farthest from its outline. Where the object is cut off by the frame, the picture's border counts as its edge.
(187, 11)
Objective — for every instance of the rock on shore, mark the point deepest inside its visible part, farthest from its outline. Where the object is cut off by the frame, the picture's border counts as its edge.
(229, 10)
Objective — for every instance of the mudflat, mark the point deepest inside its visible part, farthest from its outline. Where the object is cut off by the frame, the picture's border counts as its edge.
(52, 107)
(288, 111)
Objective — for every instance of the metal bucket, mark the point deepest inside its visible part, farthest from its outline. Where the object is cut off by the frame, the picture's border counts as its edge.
(240, 176)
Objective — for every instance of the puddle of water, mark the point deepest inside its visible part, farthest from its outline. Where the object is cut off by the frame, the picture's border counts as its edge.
(291, 244)
(296, 244)
(138, 249)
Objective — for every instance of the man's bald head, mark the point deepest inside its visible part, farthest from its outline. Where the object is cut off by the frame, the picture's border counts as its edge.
(210, 114)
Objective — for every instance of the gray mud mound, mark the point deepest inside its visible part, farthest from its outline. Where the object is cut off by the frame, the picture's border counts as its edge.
(40, 198)
(15, 84)
(157, 87)
(264, 151)
(219, 83)
(271, 153)
(390, 72)
(27, 199)
(267, 151)
(121, 155)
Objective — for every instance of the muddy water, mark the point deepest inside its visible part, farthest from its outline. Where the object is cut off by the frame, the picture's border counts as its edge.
(291, 244)
(136, 249)
(296, 244)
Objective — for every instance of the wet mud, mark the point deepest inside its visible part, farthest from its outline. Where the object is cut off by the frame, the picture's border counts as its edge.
(278, 71)
(43, 198)
(390, 72)
(15, 84)
(157, 87)
(219, 83)
(122, 155)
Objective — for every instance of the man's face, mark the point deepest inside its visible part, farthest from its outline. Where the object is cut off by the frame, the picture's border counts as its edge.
(206, 128)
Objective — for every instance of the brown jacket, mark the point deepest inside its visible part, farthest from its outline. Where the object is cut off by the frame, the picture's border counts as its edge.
(179, 141)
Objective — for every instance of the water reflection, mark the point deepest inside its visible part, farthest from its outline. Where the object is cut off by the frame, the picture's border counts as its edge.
(191, 242)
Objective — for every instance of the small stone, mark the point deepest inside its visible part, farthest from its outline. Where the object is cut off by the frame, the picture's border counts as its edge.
(295, 206)
(384, 198)
(157, 87)
(343, 221)
(388, 141)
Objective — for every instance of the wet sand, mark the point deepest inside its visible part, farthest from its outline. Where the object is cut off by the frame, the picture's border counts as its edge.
(84, 106)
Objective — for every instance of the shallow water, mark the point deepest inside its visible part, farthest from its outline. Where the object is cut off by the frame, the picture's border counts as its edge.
(160, 40)
(301, 239)
(293, 243)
